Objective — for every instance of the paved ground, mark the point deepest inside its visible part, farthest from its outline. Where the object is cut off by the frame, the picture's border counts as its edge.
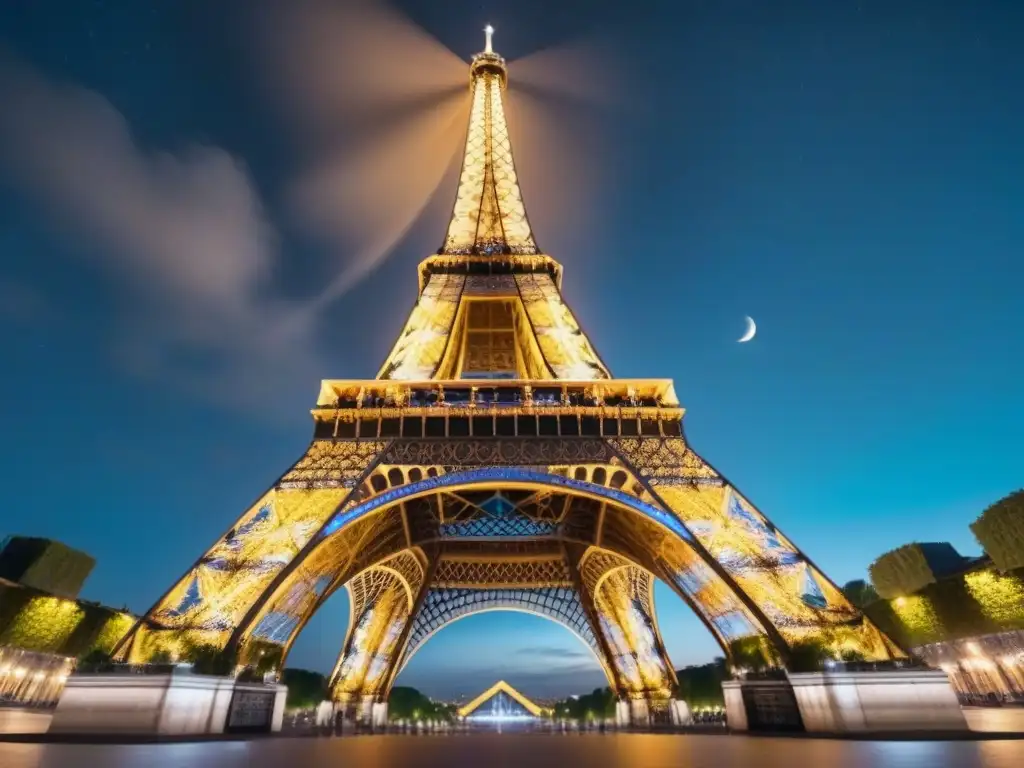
(525, 751)
(1003, 719)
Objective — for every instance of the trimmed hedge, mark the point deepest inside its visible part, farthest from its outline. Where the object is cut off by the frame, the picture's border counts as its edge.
(1000, 531)
(35, 621)
(901, 572)
(974, 603)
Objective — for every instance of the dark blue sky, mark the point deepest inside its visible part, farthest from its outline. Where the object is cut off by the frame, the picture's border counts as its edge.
(848, 173)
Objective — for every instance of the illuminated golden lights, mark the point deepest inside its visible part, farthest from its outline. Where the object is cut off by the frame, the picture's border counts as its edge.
(1000, 597)
(488, 216)
(490, 305)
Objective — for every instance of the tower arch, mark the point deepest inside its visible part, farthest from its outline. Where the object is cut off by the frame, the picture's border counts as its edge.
(563, 609)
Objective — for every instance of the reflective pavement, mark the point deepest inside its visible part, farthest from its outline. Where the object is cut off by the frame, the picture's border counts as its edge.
(1002, 719)
(524, 751)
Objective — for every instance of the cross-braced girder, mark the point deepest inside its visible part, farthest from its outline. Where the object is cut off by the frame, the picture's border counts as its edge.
(743, 579)
(381, 601)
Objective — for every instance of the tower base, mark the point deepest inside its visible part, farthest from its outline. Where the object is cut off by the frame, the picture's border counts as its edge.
(761, 705)
(681, 714)
(379, 715)
(899, 700)
(177, 703)
(845, 702)
(640, 713)
(363, 711)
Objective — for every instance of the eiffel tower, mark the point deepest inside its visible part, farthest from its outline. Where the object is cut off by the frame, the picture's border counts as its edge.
(495, 463)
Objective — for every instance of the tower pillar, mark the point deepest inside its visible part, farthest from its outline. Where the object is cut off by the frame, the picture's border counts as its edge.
(379, 715)
(639, 713)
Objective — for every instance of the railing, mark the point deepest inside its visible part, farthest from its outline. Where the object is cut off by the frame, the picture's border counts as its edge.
(32, 679)
(114, 668)
(496, 397)
(874, 666)
(452, 422)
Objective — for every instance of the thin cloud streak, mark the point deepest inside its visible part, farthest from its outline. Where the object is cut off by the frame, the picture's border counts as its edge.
(553, 651)
(380, 108)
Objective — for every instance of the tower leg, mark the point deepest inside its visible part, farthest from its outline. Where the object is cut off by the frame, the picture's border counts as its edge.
(266, 542)
(622, 595)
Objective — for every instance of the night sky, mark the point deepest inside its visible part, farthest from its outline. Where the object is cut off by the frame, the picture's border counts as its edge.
(847, 173)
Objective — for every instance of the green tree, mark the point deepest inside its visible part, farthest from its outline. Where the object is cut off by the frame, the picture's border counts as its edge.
(860, 593)
(808, 655)
(701, 686)
(750, 653)
(306, 689)
(208, 659)
(406, 703)
(596, 705)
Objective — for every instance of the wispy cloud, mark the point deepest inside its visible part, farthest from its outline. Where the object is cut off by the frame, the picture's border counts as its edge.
(378, 107)
(184, 233)
(554, 652)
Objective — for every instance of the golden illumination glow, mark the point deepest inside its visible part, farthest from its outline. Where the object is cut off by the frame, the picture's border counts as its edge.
(423, 341)
(424, 498)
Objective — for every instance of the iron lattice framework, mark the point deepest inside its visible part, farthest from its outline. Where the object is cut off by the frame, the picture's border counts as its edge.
(496, 464)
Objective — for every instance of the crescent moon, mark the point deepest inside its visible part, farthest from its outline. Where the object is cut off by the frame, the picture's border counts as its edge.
(750, 332)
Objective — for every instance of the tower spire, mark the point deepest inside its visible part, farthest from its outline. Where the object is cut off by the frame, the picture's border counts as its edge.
(489, 217)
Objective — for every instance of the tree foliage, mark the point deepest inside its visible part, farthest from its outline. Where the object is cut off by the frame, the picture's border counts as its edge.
(599, 704)
(48, 624)
(753, 653)
(261, 656)
(701, 686)
(808, 655)
(859, 592)
(209, 659)
(406, 703)
(306, 689)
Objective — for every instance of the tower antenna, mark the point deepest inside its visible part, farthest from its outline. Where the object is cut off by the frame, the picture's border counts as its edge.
(489, 31)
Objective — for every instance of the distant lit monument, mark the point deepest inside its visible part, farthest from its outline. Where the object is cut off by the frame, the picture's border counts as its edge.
(501, 702)
(495, 463)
